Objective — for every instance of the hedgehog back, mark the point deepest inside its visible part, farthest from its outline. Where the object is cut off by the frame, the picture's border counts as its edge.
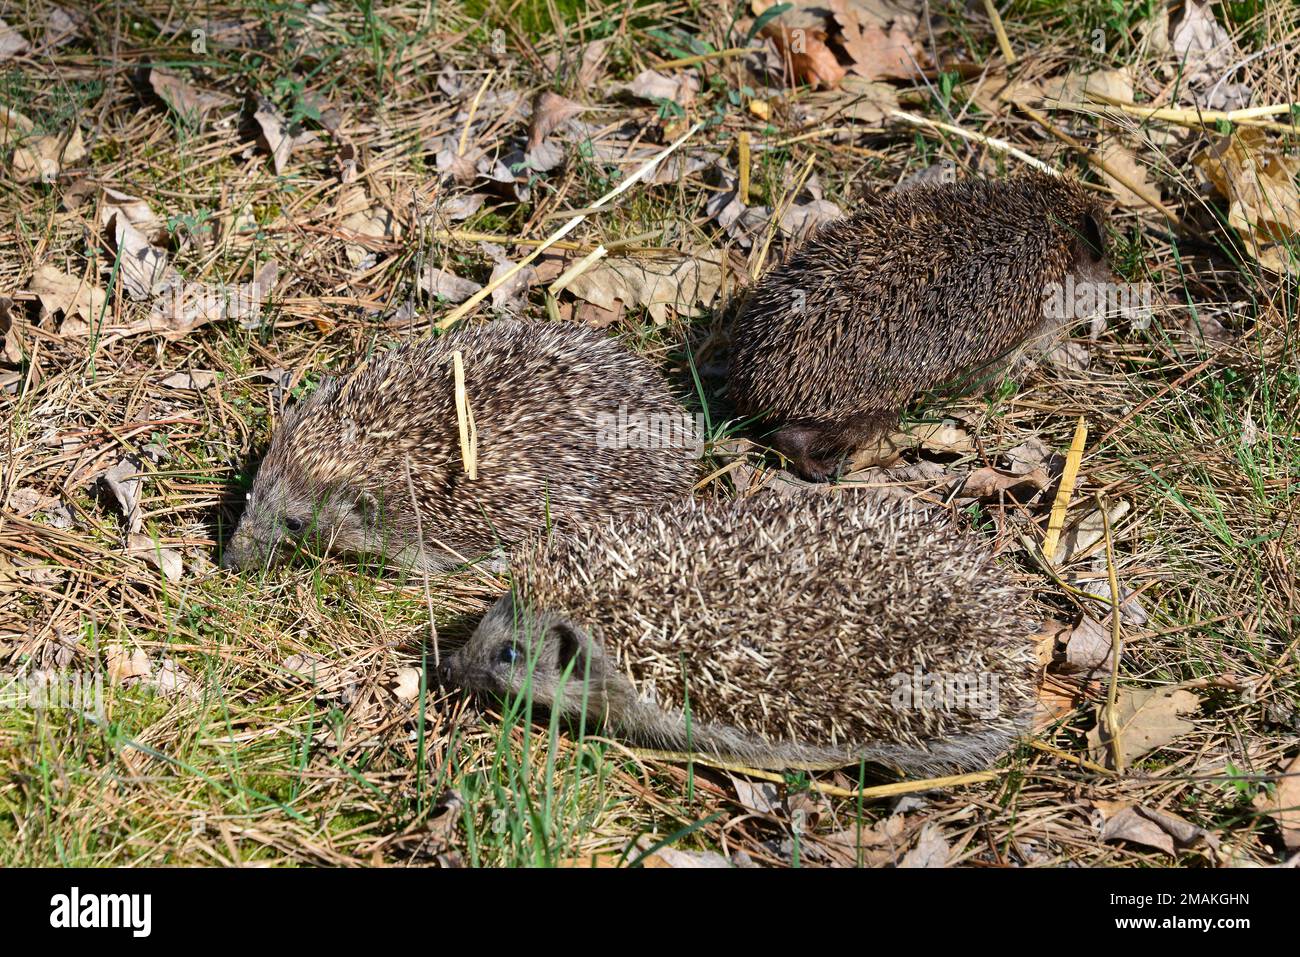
(793, 621)
(536, 391)
(914, 289)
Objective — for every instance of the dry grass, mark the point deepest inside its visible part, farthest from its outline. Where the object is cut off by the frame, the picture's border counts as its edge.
(249, 752)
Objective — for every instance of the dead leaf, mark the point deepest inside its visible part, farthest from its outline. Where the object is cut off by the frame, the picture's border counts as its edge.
(761, 797)
(181, 96)
(1205, 51)
(1124, 161)
(685, 284)
(442, 284)
(592, 65)
(1259, 182)
(590, 314)
(550, 110)
(11, 347)
(137, 212)
(996, 484)
(1148, 719)
(462, 168)
(195, 380)
(1056, 700)
(750, 224)
(280, 140)
(166, 560)
(1151, 827)
(373, 223)
(191, 305)
(1131, 611)
(44, 157)
(807, 57)
(879, 845)
(680, 88)
(866, 101)
(1087, 532)
(461, 207)
(309, 666)
(25, 501)
(125, 480)
(801, 220)
(406, 684)
(171, 681)
(1283, 805)
(999, 89)
(931, 849)
(12, 43)
(877, 53)
(1030, 455)
(671, 857)
(59, 292)
(13, 126)
(1087, 647)
(1154, 32)
(142, 266)
(125, 664)
(512, 295)
(62, 26)
(682, 164)
(1098, 86)
(544, 157)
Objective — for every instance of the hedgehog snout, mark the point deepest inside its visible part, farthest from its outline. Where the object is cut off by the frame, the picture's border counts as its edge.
(244, 550)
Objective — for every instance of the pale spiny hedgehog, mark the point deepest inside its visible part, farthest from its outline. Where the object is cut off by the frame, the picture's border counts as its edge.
(816, 633)
(570, 428)
(930, 286)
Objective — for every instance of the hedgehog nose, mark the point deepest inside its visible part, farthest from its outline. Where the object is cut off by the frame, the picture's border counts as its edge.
(234, 556)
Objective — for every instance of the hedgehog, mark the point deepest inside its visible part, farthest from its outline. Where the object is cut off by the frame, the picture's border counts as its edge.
(820, 633)
(570, 428)
(935, 285)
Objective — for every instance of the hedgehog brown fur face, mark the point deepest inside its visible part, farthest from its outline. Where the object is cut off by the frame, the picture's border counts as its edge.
(930, 286)
(514, 651)
(770, 632)
(373, 463)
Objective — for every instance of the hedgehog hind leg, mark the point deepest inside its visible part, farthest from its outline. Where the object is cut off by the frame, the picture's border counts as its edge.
(817, 450)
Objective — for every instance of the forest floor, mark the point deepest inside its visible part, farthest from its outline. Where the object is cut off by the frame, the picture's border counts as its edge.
(324, 179)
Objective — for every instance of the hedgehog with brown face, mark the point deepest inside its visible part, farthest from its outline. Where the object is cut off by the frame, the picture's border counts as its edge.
(815, 634)
(570, 428)
(930, 286)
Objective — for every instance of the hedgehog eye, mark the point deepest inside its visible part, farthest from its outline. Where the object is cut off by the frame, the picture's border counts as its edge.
(508, 654)
(294, 525)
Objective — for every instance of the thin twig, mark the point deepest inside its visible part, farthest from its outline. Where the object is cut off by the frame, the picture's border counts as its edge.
(1112, 710)
(1008, 54)
(992, 142)
(630, 181)
(1061, 505)
(424, 564)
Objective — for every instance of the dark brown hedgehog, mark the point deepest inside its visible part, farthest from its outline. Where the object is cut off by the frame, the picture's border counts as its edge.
(930, 286)
(775, 634)
(570, 428)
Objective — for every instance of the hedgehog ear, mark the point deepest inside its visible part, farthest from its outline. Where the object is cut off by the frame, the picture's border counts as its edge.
(568, 647)
(1091, 239)
(368, 506)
